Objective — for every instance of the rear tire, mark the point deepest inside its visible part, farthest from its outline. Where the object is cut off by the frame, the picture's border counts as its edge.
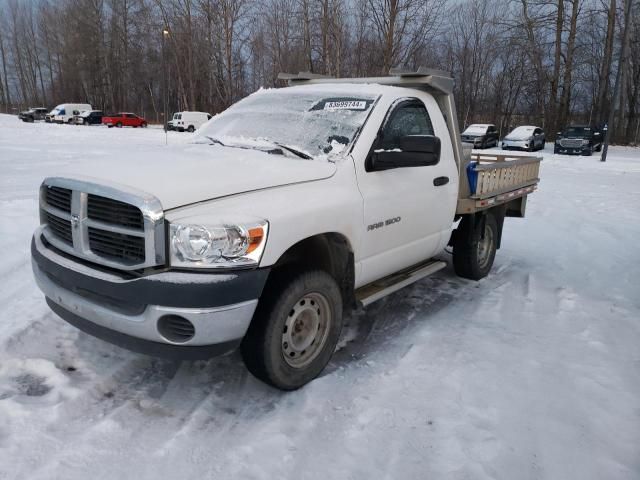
(119, 125)
(191, 129)
(295, 329)
(474, 247)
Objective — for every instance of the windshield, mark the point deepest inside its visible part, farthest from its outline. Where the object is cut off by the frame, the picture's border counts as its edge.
(314, 122)
(475, 130)
(579, 132)
(521, 133)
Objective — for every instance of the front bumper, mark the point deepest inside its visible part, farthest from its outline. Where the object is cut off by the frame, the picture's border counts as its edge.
(515, 144)
(128, 311)
(585, 150)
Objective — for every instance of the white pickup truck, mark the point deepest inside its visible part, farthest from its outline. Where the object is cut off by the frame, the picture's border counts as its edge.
(291, 207)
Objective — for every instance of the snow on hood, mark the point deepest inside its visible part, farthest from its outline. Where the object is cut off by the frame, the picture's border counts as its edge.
(476, 130)
(520, 133)
(182, 175)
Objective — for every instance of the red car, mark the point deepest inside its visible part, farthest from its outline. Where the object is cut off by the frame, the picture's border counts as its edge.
(124, 120)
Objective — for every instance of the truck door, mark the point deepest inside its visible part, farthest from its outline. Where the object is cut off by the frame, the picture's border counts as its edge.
(407, 210)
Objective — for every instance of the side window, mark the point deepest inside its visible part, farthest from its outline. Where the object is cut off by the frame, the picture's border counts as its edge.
(492, 129)
(408, 118)
(130, 115)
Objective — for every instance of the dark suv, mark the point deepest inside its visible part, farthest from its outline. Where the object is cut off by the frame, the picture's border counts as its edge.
(481, 135)
(90, 117)
(33, 114)
(578, 140)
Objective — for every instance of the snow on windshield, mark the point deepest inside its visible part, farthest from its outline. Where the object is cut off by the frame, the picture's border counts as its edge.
(521, 133)
(312, 121)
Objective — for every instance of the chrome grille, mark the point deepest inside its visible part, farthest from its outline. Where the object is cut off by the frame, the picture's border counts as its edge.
(58, 198)
(60, 228)
(115, 212)
(116, 246)
(118, 228)
(571, 142)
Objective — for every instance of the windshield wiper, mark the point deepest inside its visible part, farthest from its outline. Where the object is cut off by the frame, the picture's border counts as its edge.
(296, 152)
(215, 140)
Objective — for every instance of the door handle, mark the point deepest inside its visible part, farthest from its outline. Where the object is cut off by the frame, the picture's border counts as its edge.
(439, 181)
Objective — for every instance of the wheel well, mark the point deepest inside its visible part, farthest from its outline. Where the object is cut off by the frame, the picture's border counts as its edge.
(470, 222)
(329, 252)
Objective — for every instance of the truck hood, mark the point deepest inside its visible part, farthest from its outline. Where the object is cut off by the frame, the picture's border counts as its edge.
(187, 174)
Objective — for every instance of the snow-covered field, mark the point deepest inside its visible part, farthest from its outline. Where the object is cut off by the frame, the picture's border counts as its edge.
(531, 373)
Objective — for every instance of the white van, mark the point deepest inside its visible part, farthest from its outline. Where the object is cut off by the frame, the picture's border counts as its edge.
(189, 121)
(64, 112)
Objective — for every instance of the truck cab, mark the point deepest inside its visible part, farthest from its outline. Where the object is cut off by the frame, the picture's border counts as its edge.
(33, 114)
(288, 210)
(578, 140)
(123, 119)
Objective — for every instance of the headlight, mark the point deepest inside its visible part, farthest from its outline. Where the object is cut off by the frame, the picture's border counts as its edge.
(217, 246)
(585, 142)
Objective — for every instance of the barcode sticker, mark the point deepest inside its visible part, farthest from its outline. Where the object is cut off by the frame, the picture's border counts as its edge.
(346, 105)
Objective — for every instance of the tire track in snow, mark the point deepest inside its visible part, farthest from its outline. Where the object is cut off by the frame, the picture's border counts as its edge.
(96, 412)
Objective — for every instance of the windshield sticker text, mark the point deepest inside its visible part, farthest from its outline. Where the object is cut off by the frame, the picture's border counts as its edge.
(346, 105)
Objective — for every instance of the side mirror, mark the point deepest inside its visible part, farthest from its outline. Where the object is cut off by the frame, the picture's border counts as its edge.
(414, 151)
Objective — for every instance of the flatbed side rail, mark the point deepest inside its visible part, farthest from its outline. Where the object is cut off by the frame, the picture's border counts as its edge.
(500, 179)
(502, 176)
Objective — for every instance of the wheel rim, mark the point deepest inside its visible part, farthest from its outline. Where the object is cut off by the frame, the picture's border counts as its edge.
(485, 246)
(306, 329)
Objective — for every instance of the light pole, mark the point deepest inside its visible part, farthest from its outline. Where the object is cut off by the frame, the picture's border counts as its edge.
(165, 34)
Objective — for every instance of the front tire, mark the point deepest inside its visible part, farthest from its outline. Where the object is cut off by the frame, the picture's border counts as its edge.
(474, 247)
(295, 329)
(119, 125)
(191, 129)
(143, 125)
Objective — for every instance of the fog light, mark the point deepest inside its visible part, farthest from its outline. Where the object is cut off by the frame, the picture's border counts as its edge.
(176, 329)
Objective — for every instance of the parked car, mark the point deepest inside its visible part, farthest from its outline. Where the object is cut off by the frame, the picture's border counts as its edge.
(89, 117)
(239, 242)
(65, 112)
(579, 140)
(524, 138)
(124, 120)
(189, 121)
(33, 114)
(481, 135)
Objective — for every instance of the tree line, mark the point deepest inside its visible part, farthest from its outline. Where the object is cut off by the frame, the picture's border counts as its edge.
(538, 62)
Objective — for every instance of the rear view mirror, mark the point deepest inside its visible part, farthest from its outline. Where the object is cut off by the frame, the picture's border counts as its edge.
(414, 151)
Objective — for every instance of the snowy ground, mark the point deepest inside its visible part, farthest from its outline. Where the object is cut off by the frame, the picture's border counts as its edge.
(531, 373)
